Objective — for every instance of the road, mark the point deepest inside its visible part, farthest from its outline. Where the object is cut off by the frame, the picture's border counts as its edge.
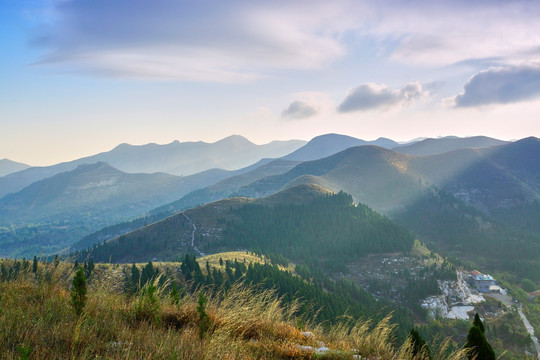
(530, 330)
(507, 300)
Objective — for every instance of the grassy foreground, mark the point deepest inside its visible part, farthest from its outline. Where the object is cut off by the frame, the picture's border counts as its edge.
(37, 321)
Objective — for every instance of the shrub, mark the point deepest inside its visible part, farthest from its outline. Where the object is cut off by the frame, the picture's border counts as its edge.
(78, 291)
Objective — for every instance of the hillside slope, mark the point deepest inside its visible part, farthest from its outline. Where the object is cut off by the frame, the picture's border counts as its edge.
(302, 221)
(58, 210)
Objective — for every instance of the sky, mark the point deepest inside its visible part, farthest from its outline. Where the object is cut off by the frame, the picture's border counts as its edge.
(78, 77)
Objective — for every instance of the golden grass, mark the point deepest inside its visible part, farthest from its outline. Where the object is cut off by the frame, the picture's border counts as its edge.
(36, 315)
(240, 256)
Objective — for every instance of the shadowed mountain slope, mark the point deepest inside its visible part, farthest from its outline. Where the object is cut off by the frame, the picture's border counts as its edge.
(228, 186)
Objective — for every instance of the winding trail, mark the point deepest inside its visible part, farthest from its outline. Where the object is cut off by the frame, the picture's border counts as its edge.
(194, 228)
(530, 330)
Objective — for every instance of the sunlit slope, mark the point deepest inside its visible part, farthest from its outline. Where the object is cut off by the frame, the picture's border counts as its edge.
(449, 143)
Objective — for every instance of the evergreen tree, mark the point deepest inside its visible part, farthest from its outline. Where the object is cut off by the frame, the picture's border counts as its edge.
(35, 265)
(204, 320)
(418, 345)
(88, 268)
(135, 279)
(478, 345)
(78, 291)
(175, 294)
(477, 322)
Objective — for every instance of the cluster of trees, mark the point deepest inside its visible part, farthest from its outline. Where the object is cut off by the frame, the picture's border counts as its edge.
(321, 299)
(11, 272)
(330, 227)
(464, 232)
(137, 279)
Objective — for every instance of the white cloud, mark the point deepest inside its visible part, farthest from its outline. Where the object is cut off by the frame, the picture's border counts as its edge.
(240, 40)
(439, 33)
(372, 96)
(198, 41)
(306, 105)
(501, 85)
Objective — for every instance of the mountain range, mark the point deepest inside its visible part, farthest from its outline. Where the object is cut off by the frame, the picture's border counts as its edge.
(93, 196)
(177, 158)
(472, 193)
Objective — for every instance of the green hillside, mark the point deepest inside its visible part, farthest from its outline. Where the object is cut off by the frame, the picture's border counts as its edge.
(300, 222)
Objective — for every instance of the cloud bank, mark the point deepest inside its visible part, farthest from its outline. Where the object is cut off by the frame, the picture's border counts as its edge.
(371, 96)
(242, 40)
(210, 40)
(501, 86)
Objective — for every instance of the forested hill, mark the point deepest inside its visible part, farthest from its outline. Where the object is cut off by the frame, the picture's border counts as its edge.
(298, 223)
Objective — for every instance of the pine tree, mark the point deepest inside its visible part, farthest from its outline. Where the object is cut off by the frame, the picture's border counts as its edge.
(135, 279)
(478, 345)
(175, 294)
(204, 320)
(418, 345)
(35, 265)
(477, 322)
(78, 291)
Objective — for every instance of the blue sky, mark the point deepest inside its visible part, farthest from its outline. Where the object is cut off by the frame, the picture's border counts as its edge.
(81, 76)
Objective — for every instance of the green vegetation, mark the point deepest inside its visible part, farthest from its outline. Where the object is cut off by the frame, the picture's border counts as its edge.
(36, 321)
(463, 232)
(477, 343)
(329, 227)
(323, 226)
(78, 291)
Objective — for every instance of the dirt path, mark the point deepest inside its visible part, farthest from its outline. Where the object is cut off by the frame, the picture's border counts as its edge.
(194, 228)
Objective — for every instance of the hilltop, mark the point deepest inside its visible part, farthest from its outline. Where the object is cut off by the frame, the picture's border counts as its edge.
(298, 222)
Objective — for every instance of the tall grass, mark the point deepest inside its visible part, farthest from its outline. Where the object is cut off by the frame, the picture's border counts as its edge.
(37, 321)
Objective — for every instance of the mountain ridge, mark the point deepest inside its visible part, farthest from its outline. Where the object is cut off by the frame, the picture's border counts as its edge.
(176, 158)
(8, 166)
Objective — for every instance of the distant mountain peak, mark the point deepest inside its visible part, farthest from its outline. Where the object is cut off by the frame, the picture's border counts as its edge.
(9, 166)
(329, 144)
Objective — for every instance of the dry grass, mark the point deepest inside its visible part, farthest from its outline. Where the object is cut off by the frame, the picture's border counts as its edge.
(240, 256)
(36, 315)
